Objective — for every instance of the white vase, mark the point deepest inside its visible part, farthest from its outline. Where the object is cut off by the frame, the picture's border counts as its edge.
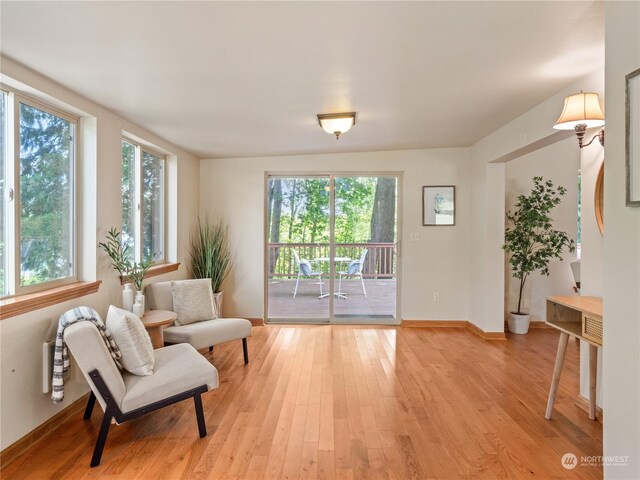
(217, 304)
(138, 307)
(518, 324)
(127, 297)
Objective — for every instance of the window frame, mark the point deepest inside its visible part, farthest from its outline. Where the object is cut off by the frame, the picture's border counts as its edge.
(140, 149)
(13, 216)
(7, 150)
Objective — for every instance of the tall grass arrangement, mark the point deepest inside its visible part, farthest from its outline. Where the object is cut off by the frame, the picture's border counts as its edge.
(210, 252)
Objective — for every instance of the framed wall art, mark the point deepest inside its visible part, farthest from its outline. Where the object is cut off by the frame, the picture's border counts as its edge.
(632, 138)
(438, 205)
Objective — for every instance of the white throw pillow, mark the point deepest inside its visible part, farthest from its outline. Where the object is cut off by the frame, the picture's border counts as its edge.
(133, 340)
(193, 301)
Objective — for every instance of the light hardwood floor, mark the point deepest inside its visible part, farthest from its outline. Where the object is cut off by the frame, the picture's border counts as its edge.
(351, 402)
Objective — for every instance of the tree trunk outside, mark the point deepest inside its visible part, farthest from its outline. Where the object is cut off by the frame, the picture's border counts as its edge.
(276, 213)
(292, 203)
(383, 223)
(269, 211)
(269, 205)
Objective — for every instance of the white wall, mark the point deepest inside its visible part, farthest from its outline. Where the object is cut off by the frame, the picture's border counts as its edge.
(559, 163)
(439, 261)
(621, 363)
(23, 406)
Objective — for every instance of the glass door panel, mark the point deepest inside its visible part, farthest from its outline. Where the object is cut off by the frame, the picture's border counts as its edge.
(297, 250)
(365, 260)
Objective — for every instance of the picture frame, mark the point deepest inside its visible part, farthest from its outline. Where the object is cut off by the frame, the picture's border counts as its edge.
(439, 205)
(632, 137)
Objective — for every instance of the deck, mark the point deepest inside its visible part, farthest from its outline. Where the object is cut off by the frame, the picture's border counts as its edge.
(379, 303)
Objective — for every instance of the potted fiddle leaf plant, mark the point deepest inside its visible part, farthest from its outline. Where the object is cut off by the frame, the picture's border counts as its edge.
(211, 255)
(133, 271)
(531, 241)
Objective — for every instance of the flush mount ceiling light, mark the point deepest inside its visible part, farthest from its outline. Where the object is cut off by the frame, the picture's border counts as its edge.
(337, 123)
(582, 111)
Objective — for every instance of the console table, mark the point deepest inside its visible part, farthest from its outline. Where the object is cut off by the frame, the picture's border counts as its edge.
(581, 317)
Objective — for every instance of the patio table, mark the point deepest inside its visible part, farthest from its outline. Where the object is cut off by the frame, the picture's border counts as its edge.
(339, 260)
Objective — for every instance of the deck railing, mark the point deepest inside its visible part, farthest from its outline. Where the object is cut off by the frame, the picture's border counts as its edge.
(380, 261)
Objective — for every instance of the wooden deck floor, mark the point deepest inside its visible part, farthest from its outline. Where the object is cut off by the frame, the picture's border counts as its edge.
(380, 301)
(350, 402)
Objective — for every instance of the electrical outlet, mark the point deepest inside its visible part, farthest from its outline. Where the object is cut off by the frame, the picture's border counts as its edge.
(414, 237)
(436, 296)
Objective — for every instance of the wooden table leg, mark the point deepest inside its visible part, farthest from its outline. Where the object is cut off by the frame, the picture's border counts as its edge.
(557, 369)
(593, 366)
(156, 336)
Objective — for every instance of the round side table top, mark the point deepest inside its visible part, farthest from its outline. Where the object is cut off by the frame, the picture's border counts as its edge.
(158, 318)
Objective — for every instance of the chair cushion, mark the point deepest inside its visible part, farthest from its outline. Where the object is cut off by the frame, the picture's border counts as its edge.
(305, 267)
(193, 301)
(133, 340)
(158, 296)
(354, 267)
(178, 368)
(209, 333)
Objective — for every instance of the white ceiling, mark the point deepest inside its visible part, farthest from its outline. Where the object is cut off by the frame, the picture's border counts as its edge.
(235, 79)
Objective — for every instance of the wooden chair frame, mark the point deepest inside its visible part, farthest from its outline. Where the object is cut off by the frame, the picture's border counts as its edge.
(113, 411)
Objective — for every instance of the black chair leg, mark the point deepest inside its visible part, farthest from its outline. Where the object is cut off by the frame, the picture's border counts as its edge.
(211, 349)
(102, 438)
(202, 428)
(90, 404)
(245, 350)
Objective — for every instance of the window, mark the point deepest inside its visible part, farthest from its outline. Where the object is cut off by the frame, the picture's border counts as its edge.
(38, 201)
(128, 197)
(142, 201)
(152, 206)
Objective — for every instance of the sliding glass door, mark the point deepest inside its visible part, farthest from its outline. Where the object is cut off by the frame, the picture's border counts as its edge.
(331, 252)
(365, 247)
(298, 233)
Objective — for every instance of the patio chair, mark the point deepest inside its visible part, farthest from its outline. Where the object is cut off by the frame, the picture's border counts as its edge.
(354, 270)
(305, 270)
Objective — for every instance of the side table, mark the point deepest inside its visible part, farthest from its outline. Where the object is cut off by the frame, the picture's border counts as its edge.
(154, 322)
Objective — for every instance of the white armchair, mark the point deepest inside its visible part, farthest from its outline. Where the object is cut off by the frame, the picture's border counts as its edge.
(179, 373)
(200, 335)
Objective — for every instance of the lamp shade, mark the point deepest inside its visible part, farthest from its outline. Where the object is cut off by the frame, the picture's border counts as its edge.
(581, 108)
(337, 123)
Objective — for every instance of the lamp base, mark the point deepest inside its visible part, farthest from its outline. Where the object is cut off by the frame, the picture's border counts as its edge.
(581, 129)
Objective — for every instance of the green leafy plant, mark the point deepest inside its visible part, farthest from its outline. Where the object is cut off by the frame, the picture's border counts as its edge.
(531, 239)
(210, 252)
(119, 254)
